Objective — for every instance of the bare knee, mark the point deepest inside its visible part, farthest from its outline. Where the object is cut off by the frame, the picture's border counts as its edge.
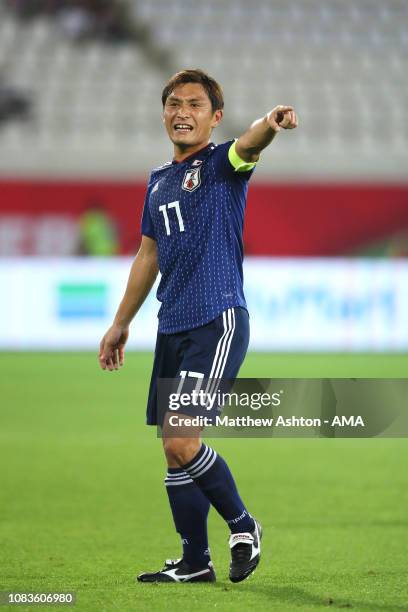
(180, 451)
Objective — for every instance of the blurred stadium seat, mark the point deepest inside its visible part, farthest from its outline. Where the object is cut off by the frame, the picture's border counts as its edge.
(97, 106)
(73, 172)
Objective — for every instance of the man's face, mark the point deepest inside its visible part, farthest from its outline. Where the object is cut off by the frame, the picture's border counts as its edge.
(188, 116)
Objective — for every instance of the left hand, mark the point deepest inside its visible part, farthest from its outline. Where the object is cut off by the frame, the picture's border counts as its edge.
(112, 348)
(282, 117)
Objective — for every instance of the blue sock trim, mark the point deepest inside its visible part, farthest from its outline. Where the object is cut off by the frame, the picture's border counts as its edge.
(202, 462)
(177, 477)
(176, 470)
(194, 459)
(210, 472)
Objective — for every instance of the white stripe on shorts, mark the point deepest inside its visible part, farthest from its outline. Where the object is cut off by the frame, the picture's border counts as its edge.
(217, 372)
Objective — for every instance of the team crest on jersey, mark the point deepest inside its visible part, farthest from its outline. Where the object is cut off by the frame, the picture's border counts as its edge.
(192, 179)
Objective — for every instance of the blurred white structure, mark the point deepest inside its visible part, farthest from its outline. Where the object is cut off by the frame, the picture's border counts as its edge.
(98, 110)
(295, 304)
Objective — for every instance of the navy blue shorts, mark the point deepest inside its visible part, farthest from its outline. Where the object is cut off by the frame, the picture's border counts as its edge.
(215, 350)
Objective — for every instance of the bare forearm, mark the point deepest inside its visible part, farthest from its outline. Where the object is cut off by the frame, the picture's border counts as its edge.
(258, 136)
(261, 133)
(142, 275)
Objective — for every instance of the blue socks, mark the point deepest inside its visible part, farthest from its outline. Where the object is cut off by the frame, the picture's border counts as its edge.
(206, 478)
(212, 475)
(190, 510)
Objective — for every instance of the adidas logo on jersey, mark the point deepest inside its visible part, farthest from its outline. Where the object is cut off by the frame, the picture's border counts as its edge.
(192, 179)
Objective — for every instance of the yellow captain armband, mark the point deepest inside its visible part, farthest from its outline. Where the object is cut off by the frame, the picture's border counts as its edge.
(237, 163)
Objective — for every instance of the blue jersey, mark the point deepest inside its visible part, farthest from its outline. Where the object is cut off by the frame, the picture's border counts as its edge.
(194, 209)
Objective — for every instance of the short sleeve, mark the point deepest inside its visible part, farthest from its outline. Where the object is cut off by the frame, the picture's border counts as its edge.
(229, 162)
(147, 228)
(236, 162)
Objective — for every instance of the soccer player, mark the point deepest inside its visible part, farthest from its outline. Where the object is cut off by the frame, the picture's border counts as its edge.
(192, 232)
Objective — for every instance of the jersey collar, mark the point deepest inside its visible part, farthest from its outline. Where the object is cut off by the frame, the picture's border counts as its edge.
(210, 145)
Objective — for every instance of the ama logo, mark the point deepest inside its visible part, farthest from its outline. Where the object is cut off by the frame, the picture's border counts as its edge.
(192, 179)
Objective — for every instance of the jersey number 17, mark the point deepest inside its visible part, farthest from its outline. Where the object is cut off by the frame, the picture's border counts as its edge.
(164, 208)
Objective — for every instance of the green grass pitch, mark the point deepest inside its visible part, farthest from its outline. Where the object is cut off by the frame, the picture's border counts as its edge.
(84, 506)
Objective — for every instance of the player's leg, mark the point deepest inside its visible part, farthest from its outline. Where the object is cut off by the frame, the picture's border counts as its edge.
(189, 506)
(203, 464)
(212, 475)
(210, 472)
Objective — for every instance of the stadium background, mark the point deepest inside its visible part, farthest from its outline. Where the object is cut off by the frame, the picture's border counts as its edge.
(326, 240)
